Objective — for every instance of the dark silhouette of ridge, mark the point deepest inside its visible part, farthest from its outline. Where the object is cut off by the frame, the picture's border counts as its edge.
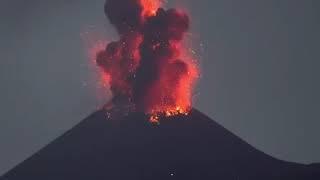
(111, 146)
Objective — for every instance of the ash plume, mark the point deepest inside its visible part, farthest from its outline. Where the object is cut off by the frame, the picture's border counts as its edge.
(147, 65)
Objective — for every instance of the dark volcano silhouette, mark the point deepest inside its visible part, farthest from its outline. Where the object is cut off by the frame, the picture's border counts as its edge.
(111, 146)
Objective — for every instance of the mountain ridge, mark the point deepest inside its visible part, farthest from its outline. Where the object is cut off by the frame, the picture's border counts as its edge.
(115, 145)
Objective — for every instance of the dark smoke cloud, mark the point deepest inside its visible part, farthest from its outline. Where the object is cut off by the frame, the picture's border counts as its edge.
(144, 65)
(125, 15)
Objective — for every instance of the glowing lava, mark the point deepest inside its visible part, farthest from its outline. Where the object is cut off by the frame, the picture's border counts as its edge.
(150, 7)
(149, 67)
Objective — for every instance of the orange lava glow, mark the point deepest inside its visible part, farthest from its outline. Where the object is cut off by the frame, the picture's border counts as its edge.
(149, 66)
(104, 78)
(182, 93)
(150, 7)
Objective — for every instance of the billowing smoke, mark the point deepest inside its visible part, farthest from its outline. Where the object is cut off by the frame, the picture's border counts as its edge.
(148, 66)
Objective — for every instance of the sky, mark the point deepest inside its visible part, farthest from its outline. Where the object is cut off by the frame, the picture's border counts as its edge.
(259, 62)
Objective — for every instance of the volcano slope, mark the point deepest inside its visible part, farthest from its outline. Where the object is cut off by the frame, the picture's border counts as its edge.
(111, 146)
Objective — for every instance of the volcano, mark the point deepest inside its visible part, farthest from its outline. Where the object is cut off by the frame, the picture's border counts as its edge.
(112, 145)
